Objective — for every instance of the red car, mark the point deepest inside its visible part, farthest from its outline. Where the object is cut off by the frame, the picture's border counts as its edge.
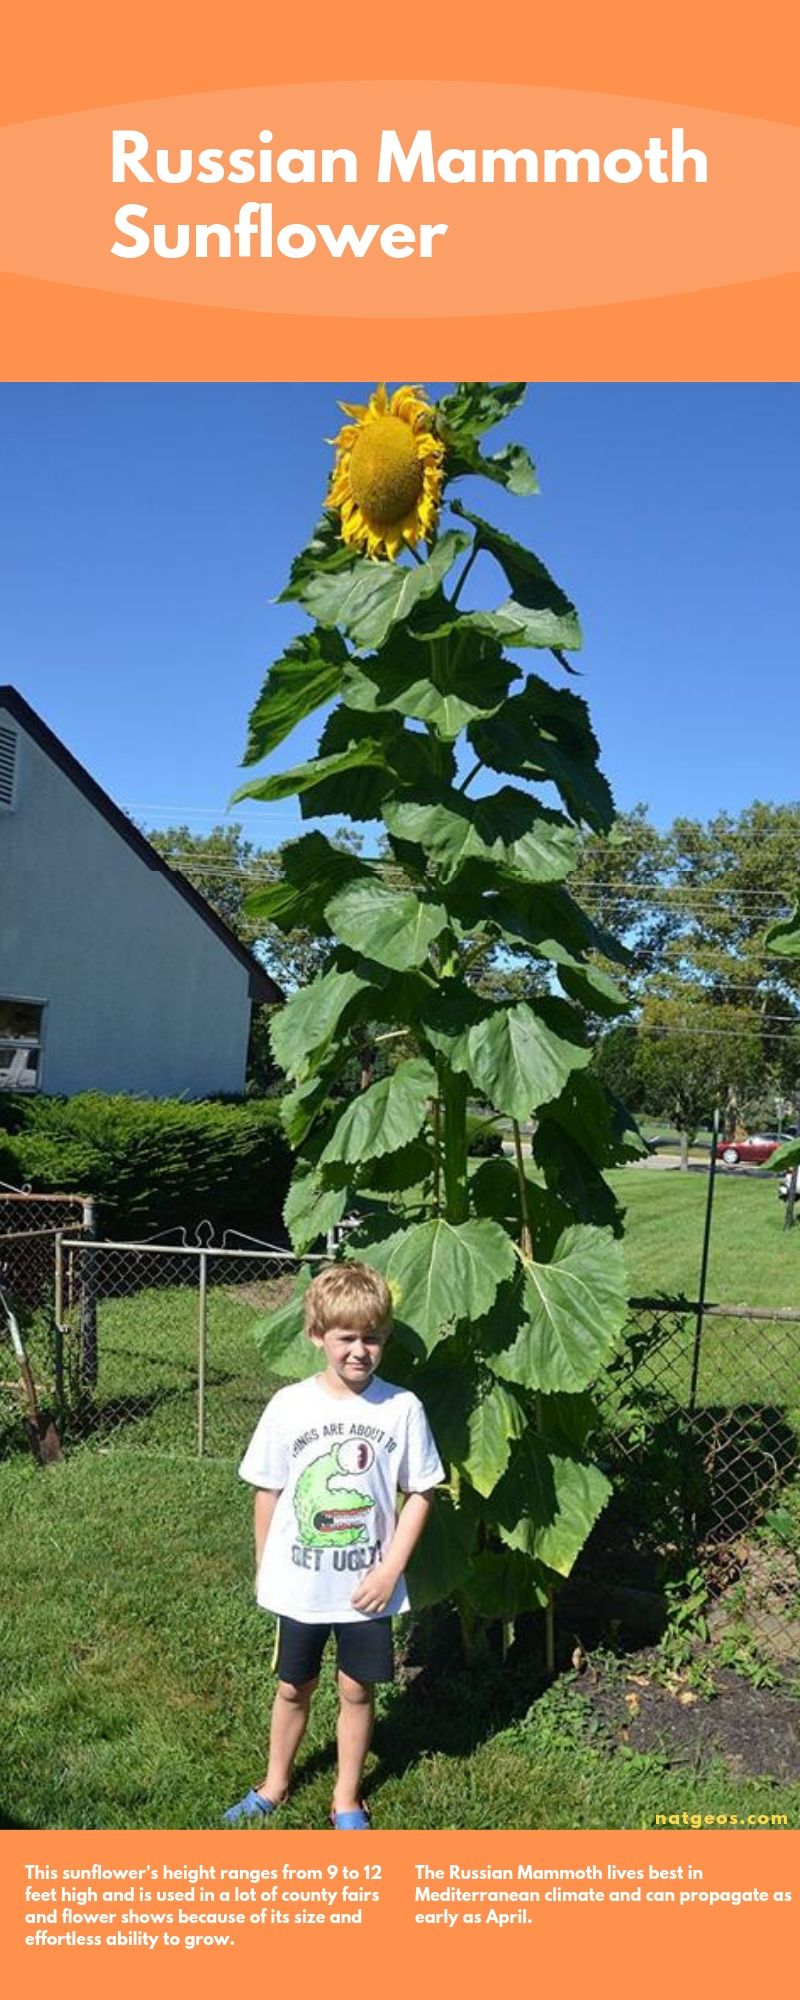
(754, 1151)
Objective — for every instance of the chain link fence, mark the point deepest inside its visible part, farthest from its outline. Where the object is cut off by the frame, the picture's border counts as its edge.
(31, 1274)
(149, 1347)
(158, 1341)
(700, 1429)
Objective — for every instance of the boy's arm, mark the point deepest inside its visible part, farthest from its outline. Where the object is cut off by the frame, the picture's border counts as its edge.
(375, 1589)
(266, 1501)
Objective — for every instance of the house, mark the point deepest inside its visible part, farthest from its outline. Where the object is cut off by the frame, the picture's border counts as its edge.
(115, 974)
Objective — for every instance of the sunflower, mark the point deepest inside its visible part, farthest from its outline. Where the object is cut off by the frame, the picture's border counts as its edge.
(387, 480)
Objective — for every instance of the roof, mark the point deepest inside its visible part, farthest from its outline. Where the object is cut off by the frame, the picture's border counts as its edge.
(261, 987)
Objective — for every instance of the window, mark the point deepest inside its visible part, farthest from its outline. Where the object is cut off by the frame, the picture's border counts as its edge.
(20, 1044)
(8, 764)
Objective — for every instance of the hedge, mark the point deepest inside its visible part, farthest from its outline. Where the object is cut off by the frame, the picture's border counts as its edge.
(153, 1164)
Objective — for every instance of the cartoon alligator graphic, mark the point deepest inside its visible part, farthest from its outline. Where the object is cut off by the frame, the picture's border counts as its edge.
(331, 1514)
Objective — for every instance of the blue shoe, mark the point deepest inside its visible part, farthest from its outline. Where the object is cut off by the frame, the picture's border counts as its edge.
(252, 1806)
(352, 1822)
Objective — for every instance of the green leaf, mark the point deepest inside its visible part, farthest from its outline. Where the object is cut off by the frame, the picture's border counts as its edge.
(783, 938)
(301, 1030)
(520, 1057)
(445, 1385)
(384, 1117)
(446, 683)
(570, 1314)
(538, 612)
(313, 870)
(495, 1191)
(324, 553)
(582, 1491)
(404, 757)
(548, 1504)
(300, 1108)
(510, 827)
(282, 1341)
(503, 1584)
(474, 407)
(389, 925)
(597, 1122)
(305, 777)
(511, 466)
(442, 1271)
(566, 1422)
(526, 1495)
(308, 673)
(545, 734)
(497, 1419)
(547, 920)
(310, 1210)
(368, 598)
(439, 1563)
(573, 1179)
(407, 1170)
(592, 989)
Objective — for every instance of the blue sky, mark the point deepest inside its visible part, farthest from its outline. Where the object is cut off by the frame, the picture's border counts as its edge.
(144, 530)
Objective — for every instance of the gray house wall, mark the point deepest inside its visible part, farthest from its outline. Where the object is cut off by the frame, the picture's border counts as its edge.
(140, 994)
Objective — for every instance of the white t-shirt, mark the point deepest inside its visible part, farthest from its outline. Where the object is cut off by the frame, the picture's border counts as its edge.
(338, 1463)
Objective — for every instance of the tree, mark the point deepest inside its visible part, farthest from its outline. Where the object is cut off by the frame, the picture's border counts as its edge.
(688, 1057)
(712, 892)
(508, 1281)
(622, 881)
(227, 869)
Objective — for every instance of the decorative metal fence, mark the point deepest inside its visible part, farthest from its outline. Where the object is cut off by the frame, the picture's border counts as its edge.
(169, 1363)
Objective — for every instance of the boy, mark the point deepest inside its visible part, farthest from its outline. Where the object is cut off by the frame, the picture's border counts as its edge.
(328, 1459)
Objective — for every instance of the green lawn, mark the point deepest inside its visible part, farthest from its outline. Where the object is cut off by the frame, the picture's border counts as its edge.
(753, 1258)
(137, 1681)
(137, 1684)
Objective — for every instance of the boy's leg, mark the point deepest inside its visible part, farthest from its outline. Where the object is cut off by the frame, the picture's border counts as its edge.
(288, 1727)
(365, 1656)
(353, 1737)
(300, 1650)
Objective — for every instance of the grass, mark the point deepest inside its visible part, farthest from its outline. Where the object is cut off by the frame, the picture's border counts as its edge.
(137, 1678)
(137, 1685)
(753, 1258)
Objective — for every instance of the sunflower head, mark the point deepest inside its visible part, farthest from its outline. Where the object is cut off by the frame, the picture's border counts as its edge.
(387, 479)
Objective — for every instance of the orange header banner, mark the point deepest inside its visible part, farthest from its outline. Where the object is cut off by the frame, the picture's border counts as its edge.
(533, 221)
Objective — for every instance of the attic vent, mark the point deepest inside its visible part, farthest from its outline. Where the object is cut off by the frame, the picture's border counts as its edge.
(8, 764)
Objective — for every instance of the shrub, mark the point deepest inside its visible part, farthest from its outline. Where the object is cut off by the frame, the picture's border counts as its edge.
(154, 1164)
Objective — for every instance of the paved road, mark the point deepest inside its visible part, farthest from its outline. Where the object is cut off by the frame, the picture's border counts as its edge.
(670, 1162)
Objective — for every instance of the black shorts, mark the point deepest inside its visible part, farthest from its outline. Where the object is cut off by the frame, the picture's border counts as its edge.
(364, 1651)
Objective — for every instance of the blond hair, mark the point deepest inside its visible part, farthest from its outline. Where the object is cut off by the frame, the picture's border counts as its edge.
(348, 1295)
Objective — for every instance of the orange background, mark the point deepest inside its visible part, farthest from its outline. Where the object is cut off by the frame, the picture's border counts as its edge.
(60, 60)
(612, 1951)
(63, 61)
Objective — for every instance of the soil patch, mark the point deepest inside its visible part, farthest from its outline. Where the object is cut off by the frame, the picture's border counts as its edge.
(756, 1731)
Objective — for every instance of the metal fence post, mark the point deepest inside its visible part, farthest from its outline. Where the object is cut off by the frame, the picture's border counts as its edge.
(202, 1335)
(58, 1328)
(89, 1360)
(701, 1292)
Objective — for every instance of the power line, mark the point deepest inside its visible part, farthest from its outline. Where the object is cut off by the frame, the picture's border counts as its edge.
(241, 870)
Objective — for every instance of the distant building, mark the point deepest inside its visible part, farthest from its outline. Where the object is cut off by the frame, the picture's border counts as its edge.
(115, 974)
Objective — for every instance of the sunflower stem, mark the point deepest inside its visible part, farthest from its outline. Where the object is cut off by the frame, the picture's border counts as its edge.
(526, 1235)
(471, 774)
(437, 1154)
(463, 578)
